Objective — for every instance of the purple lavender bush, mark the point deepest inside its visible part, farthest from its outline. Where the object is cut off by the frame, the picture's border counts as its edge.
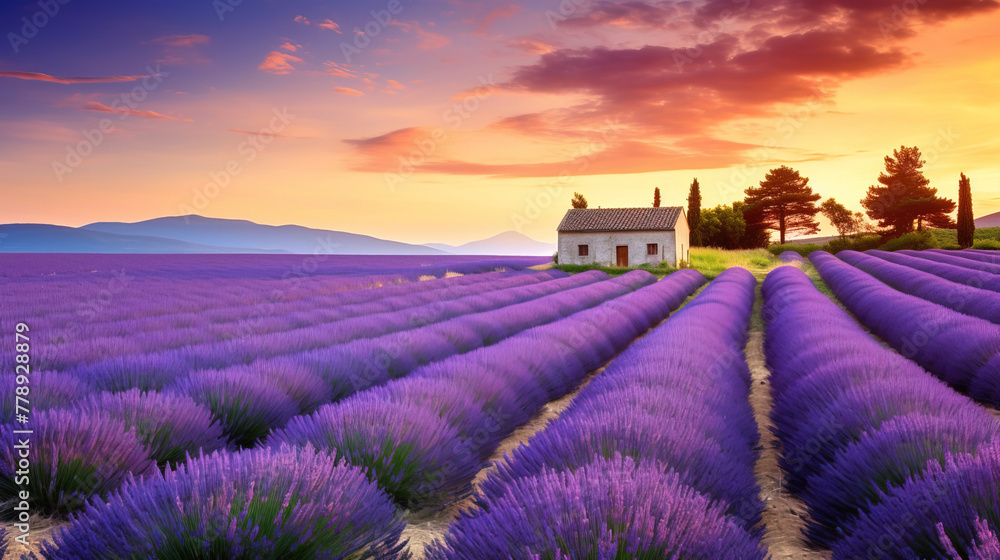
(957, 348)
(248, 405)
(306, 389)
(789, 257)
(944, 269)
(640, 512)
(959, 296)
(48, 389)
(409, 451)
(862, 473)
(647, 406)
(169, 425)
(857, 422)
(281, 504)
(949, 512)
(72, 458)
(425, 437)
(148, 372)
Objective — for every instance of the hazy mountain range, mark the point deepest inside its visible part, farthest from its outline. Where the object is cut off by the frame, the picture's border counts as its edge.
(198, 234)
(991, 220)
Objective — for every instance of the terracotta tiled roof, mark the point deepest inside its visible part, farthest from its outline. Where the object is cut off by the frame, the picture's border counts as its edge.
(620, 219)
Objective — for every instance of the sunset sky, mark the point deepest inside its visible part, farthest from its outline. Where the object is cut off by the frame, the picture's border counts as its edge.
(455, 120)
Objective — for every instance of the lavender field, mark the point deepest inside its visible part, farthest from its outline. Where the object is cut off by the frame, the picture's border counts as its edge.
(288, 407)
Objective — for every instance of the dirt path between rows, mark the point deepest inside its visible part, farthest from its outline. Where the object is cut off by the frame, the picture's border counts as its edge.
(783, 513)
(423, 528)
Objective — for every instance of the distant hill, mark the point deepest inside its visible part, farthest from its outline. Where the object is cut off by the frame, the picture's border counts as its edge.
(990, 220)
(45, 238)
(506, 243)
(242, 233)
(810, 240)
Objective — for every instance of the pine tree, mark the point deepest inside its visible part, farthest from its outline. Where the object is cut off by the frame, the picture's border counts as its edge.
(579, 201)
(694, 213)
(966, 220)
(786, 202)
(906, 196)
(656, 197)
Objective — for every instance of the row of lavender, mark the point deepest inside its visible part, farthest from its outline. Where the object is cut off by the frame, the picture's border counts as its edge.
(155, 371)
(162, 309)
(91, 444)
(14, 267)
(113, 288)
(961, 289)
(961, 349)
(649, 461)
(421, 440)
(892, 463)
(316, 377)
(239, 325)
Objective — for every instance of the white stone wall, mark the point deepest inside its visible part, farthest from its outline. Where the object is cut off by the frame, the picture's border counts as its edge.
(603, 247)
(682, 238)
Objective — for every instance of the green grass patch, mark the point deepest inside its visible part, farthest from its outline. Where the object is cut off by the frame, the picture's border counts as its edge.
(615, 270)
(948, 238)
(712, 262)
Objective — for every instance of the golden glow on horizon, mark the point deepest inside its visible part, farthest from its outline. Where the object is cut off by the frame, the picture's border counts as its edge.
(947, 103)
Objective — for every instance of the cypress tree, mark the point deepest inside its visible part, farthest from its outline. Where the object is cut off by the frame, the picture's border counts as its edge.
(966, 221)
(694, 213)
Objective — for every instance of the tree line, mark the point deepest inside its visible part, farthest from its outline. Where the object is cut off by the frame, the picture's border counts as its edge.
(902, 202)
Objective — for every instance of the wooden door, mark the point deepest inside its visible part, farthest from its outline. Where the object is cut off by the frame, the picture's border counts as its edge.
(622, 254)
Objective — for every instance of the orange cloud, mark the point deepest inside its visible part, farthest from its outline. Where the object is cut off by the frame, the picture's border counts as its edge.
(38, 76)
(288, 46)
(504, 11)
(383, 152)
(325, 24)
(347, 91)
(531, 46)
(278, 63)
(329, 24)
(102, 108)
(393, 84)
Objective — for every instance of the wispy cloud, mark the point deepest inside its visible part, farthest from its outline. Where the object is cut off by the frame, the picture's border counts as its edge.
(340, 70)
(257, 132)
(38, 76)
(531, 46)
(348, 91)
(102, 108)
(426, 40)
(325, 24)
(182, 40)
(181, 49)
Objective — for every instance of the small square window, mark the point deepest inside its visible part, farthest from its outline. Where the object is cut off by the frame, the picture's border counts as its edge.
(584, 250)
(653, 249)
